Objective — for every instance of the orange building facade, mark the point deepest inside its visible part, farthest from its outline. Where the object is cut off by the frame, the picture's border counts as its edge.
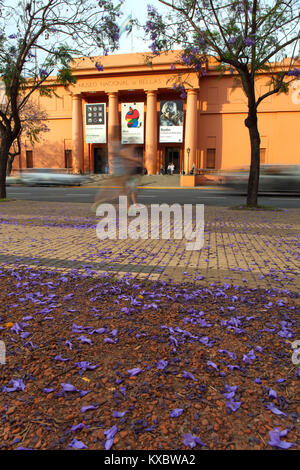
(205, 129)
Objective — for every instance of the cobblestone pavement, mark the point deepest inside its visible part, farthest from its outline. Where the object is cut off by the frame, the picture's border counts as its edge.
(256, 249)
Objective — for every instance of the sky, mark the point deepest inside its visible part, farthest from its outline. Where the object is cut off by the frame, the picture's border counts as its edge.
(135, 42)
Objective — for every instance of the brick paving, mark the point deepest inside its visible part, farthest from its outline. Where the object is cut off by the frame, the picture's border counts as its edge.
(256, 249)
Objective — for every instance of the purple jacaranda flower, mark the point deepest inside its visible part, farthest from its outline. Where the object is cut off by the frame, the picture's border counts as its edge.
(127, 310)
(248, 358)
(162, 364)
(110, 433)
(192, 441)
(75, 444)
(25, 334)
(188, 375)
(68, 297)
(212, 364)
(231, 388)
(99, 331)
(15, 386)
(294, 72)
(48, 390)
(285, 333)
(173, 340)
(16, 328)
(110, 340)
(85, 365)
(119, 414)
(134, 371)
(108, 444)
(83, 339)
(274, 410)
(60, 358)
(258, 380)
(272, 393)
(275, 440)
(83, 393)
(248, 42)
(75, 427)
(233, 405)
(205, 340)
(68, 388)
(177, 412)
(229, 395)
(77, 328)
(84, 409)
(232, 355)
(99, 67)
(69, 344)
(203, 323)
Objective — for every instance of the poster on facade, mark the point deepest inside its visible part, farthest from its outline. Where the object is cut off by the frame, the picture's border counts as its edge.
(95, 123)
(171, 121)
(132, 118)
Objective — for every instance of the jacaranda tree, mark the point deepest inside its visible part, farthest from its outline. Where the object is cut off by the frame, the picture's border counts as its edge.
(244, 36)
(38, 37)
(33, 125)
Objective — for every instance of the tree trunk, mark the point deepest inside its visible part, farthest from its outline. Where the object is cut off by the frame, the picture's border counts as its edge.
(9, 165)
(251, 123)
(4, 149)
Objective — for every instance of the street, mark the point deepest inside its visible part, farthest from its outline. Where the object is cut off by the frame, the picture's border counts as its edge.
(209, 197)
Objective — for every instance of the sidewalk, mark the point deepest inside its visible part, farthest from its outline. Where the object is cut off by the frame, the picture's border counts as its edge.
(166, 181)
(253, 249)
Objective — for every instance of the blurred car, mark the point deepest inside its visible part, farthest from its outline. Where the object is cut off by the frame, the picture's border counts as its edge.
(273, 178)
(13, 180)
(51, 177)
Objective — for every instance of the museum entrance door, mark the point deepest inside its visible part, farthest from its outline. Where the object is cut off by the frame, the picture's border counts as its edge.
(172, 154)
(100, 160)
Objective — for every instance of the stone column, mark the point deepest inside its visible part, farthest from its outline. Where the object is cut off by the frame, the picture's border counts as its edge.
(151, 133)
(190, 140)
(77, 135)
(113, 128)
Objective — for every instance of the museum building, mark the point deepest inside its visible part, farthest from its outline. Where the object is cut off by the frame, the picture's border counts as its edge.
(205, 128)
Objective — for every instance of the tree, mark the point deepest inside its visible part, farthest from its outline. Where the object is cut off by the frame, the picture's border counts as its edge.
(37, 37)
(245, 36)
(33, 124)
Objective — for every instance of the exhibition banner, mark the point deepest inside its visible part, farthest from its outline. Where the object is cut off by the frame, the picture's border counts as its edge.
(132, 123)
(95, 123)
(171, 121)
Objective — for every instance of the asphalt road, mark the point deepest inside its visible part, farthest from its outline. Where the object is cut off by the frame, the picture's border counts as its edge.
(212, 197)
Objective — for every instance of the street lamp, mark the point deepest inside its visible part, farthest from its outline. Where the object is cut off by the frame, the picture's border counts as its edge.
(188, 160)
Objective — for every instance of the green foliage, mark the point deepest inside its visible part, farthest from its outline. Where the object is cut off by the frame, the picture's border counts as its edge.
(243, 35)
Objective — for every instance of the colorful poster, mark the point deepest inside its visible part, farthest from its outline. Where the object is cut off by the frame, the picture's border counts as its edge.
(95, 123)
(132, 118)
(171, 121)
